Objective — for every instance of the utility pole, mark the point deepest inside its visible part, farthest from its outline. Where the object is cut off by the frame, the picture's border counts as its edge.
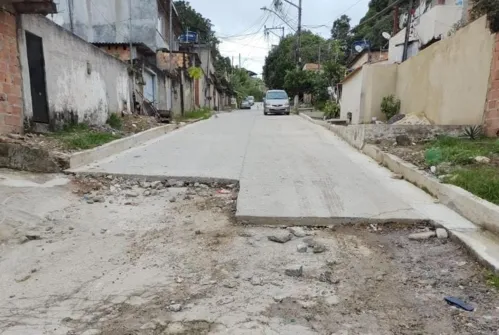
(170, 47)
(239, 60)
(319, 57)
(132, 108)
(299, 33)
(407, 31)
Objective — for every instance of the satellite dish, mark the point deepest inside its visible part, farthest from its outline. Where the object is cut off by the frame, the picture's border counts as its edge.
(386, 35)
(358, 48)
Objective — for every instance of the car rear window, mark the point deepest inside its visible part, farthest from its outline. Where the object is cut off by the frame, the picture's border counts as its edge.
(277, 95)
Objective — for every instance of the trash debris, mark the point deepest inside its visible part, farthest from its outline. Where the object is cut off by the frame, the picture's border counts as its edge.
(459, 303)
(223, 191)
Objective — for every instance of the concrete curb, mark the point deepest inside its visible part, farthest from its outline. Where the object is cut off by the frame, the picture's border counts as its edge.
(475, 209)
(91, 155)
(484, 245)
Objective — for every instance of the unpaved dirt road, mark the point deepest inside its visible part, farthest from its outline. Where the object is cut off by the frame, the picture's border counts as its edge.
(130, 259)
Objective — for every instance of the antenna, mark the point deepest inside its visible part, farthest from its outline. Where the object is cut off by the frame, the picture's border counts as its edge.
(386, 35)
(358, 48)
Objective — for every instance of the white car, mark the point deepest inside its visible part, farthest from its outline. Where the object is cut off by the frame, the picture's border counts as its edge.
(251, 100)
(276, 102)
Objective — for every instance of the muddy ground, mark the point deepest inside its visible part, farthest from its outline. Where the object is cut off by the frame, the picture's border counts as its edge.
(113, 258)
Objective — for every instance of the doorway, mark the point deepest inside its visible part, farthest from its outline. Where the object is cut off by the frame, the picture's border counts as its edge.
(36, 63)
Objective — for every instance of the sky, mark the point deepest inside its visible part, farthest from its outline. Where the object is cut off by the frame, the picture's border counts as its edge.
(239, 24)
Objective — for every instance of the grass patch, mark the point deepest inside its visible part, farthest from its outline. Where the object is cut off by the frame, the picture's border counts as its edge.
(492, 280)
(81, 136)
(459, 151)
(115, 121)
(201, 113)
(482, 181)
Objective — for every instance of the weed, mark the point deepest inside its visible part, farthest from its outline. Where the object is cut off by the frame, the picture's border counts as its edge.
(81, 136)
(331, 110)
(115, 121)
(459, 151)
(201, 113)
(482, 181)
(492, 280)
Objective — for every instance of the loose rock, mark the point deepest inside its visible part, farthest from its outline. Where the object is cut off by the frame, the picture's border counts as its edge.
(281, 237)
(302, 248)
(157, 185)
(319, 248)
(147, 193)
(175, 307)
(482, 159)
(99, 199)
(442, 233)
(131, 195)
(294, 271)
(426, 235)
(173, 199)
(403, 140)
(256, 281)
(297, 231)
(332, 300)
(32, 236)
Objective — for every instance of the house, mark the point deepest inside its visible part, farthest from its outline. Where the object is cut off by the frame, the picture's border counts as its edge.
(312, 67)
(452, 82)
(431, 21)
(11, 102)
(367, 57)
(143, 24)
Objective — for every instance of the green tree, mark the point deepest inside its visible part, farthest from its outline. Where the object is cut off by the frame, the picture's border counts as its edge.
(297, 81)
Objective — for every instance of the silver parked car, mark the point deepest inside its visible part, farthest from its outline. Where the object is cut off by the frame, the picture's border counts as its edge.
(245, 104)
(251, 100)
(276, 102)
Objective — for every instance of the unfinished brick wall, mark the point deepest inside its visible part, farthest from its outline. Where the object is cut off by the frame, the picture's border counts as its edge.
(122, 52)
(11, 107)
(491, 116)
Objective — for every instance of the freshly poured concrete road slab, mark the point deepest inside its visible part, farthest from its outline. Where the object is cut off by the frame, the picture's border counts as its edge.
(213, 148)
(295, 170)
(288, 168)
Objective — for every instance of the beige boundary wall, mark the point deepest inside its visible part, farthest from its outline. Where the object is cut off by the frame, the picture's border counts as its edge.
(448, 82)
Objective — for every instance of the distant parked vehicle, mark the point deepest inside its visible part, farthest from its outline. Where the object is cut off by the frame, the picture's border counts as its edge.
(251, 100)
(276, 102)
(245, 104)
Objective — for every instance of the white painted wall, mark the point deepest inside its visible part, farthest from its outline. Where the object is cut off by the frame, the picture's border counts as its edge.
(438, 21)
(351, 97)
(71, 91)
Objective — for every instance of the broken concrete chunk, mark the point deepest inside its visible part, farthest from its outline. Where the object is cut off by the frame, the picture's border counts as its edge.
(99, 199)
(281, 237)
(256, 281)
(131, 195)
(173, 199)
(442, 233)
(319, 248)
(302, 248)
(156, 185)
(294, 271)
(297, 231)
(426, 235)
(175, 307)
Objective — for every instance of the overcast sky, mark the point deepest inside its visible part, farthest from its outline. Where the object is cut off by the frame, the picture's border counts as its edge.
(233, 18)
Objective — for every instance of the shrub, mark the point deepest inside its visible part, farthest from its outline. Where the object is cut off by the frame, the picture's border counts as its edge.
(115, 121)
(390, 106)
(331, 110)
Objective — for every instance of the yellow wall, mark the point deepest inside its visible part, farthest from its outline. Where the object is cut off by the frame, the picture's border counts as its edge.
(448, 81)
(351, 96)
(379, 81)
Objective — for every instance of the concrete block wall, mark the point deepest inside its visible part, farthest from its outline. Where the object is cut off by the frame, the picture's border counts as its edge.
(11, 105)
(83, 83)
(491, 115)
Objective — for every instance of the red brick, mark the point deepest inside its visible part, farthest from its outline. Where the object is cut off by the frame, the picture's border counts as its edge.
(15, 100)
(492, 104)
(12, 120)
(493, 95)
(492, 114)
(494, 85)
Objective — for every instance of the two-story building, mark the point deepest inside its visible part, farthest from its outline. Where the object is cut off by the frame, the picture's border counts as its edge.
(134, 31)
(11, 100)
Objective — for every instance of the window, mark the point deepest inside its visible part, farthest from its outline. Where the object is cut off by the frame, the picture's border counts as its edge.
(277, 95)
